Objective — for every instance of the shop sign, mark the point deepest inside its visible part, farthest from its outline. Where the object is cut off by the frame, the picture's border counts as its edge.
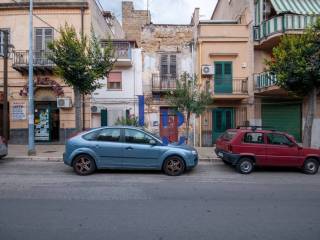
(19, 111)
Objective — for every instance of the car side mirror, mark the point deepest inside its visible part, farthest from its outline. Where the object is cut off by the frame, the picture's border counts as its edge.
(153, 142)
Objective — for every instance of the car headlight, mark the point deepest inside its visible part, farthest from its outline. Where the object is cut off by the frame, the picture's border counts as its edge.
(194, 152)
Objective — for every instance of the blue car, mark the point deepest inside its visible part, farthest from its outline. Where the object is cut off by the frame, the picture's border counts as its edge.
(123, 147)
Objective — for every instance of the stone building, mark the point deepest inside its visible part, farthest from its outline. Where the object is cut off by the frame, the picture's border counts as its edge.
(166, 54)
(53, 122)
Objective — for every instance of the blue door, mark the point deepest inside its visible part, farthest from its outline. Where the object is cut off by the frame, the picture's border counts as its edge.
(223, 77)
(223, 119)
(138, 152)
(109, 148)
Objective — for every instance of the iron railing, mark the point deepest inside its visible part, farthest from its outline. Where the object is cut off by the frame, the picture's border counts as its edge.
(40, 58)
(234, 86)
(264, 80)
(282, 24)
(166, 82)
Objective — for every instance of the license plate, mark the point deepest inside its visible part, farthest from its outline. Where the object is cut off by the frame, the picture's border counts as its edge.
(220, 154)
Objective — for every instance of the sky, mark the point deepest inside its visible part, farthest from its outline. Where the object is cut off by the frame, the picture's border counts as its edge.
(166, 11)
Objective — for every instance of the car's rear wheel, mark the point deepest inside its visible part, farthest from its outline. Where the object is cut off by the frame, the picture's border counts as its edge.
(84, 165)
(244, 166)
(311, 166)
(174, 166)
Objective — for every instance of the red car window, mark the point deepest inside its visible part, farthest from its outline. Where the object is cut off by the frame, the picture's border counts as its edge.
(278, 139)
(253, 137)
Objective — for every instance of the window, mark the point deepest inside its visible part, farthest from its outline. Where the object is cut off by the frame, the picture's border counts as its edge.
(114, 81)
(92, 135)
(168, 65)
(253, 137)
(43, 36)
(229, 135)
(109, 135)
(134, 136)
(278, 139)
(2, 39)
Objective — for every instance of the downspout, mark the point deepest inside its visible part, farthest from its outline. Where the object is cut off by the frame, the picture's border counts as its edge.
(83, 96)
(200, 121)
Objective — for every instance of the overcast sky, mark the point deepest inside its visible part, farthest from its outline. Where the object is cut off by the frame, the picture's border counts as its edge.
(166, 11)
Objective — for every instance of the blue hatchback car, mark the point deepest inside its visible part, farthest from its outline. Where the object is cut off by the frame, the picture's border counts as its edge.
(123, 147)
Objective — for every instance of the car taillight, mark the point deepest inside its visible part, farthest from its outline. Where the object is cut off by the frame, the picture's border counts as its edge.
(229, 148)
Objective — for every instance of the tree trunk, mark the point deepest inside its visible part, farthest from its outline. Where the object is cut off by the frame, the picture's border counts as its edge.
(307, 131)
(77, 103)
(187, 126)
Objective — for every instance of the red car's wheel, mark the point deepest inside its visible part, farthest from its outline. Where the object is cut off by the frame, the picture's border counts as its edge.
(310, 166)
(245, 166)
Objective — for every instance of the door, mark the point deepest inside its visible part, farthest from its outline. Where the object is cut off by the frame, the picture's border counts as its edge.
(223, 119)
(104, 118)
(283, 117)
(281, 151)
(138, 152)
(169, 124)
(109, 148)
(223, 77)
(42, 123)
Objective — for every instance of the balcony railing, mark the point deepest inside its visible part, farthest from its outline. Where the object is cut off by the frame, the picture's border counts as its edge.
(264, 80)
(162, 83)
(236, 86)
(122, 50)
(282, 24)
(40, 58)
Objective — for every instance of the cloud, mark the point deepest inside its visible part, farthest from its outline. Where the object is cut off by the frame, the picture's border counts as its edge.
(166, 11)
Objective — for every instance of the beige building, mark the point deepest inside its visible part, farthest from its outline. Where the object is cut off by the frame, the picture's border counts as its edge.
(257, 26)
(53, 122)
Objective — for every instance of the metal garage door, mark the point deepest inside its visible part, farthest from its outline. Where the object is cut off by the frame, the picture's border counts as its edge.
(283, 117)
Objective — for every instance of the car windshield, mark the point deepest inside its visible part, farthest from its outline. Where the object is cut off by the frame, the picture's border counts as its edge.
(228, 135)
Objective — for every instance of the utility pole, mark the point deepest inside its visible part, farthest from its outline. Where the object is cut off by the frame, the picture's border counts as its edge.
(31, 146)
(5, 125)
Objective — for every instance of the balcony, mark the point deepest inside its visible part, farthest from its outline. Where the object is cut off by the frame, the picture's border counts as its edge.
(268, 33)
(122, 52)
(41, 63)
(265, 84)
(163, 83)
(234, 89)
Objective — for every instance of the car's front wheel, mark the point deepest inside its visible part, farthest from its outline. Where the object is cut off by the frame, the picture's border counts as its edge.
(84, 165)
(174, 166)
(245, 166)
(310, 166)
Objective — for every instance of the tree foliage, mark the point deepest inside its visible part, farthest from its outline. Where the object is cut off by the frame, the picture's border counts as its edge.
(296, 61)
(189, 97)
(79, 61)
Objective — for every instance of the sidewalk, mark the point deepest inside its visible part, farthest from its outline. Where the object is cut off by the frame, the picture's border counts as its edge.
(54, 153)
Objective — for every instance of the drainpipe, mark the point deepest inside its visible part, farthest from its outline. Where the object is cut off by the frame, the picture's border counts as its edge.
(5, 126)
(83, 96)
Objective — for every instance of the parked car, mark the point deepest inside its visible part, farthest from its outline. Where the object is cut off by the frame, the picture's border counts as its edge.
(3, 147)
(126, 148)
(246, 148)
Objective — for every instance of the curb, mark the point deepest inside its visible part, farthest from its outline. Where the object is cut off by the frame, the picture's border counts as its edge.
(60, 159)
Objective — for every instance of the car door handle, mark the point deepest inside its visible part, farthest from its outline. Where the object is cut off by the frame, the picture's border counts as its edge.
(129, 148)
(97, 146)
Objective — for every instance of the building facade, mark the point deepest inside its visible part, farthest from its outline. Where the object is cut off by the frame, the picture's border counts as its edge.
(118, 97)
(54, 120)
(267, 21)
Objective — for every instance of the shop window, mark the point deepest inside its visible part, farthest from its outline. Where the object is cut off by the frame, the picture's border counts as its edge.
(114, 81)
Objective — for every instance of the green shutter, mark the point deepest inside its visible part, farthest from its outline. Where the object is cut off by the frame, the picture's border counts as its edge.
(104, 118)
(283, 117)
(223, 77)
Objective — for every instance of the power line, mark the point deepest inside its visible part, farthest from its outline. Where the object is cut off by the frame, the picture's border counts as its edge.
(42, 20)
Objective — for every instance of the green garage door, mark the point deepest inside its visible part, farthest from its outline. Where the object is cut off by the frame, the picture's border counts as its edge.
(283, 117)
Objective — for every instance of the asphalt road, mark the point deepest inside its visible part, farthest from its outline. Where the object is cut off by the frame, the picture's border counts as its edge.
(46, 200)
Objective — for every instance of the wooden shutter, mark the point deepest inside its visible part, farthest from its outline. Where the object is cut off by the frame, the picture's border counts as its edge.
(173, 65)
(164, 70)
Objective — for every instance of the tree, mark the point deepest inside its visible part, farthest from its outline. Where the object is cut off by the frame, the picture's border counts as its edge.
(296, 63)
(189, 97)
(128, 121)
(80, 63)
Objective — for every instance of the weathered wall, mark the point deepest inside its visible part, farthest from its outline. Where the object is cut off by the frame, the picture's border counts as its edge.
(133, 21)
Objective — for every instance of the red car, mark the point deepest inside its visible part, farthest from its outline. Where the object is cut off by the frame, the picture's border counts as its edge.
(247, 147)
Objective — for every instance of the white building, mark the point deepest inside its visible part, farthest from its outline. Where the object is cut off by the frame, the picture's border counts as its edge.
(118, 96)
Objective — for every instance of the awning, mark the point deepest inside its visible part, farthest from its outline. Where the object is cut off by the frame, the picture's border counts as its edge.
(304, 7)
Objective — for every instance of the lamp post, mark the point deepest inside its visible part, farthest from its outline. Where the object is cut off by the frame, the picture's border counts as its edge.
(31, 146)
(5, 125)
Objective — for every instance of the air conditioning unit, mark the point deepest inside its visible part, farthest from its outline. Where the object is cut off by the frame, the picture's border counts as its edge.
(64, 103)
(207, 70)
(97, 109)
